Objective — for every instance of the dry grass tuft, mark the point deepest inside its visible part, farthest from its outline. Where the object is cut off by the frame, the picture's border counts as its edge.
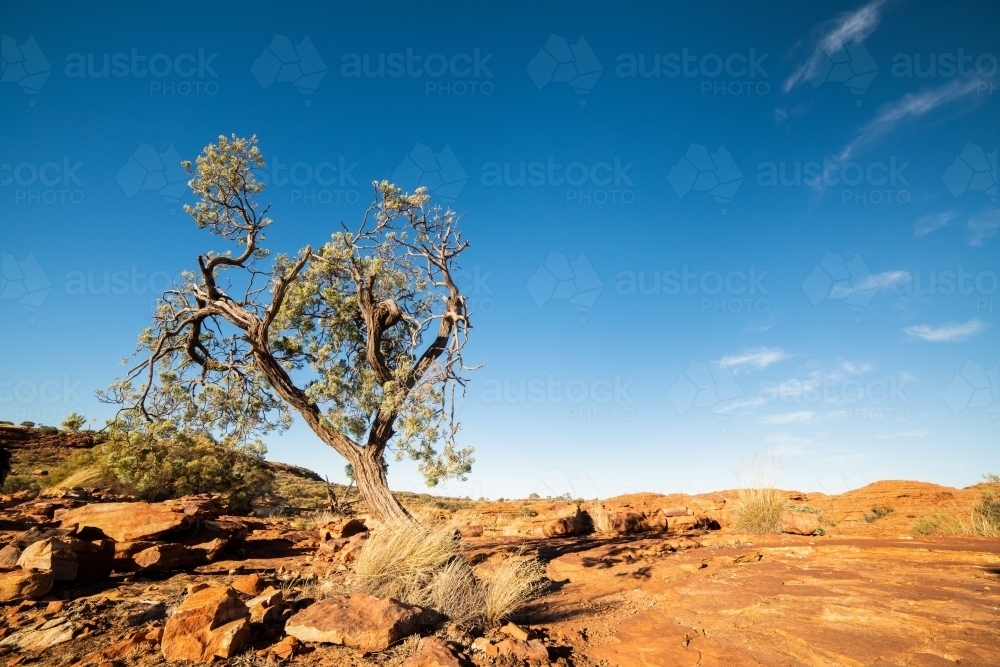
(424, 566)
(601, 517)
(758, 503)
(984, 519)
(401, 558)
(513, 582)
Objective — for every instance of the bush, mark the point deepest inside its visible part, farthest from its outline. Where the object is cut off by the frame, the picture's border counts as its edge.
(28, 424)
(6, 423)
(758, 503)
(48, 430)
(74, 422)
(925, 525)
(157, 467)
(15, 483)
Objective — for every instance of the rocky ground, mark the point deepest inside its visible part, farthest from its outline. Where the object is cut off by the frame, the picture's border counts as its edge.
(87, 578)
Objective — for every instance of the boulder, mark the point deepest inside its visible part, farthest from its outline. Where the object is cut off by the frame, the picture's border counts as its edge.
(126, 522)
(360, 621)
(125, 553)
(576, 523)
(532, 650)
(50, 555)
(471, 531)
(342, 528)
(167, 557)
(249, 584)
(434, 652)
(266, 607)
(21, 584)
(12, 551)
(212, 623)
(676, 511)
(627, 522)
(681, 522)
(799, 523)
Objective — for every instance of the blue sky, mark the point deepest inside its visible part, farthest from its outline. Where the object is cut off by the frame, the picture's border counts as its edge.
(699, 232)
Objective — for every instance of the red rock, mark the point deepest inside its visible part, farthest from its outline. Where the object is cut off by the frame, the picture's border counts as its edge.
(50, 555)
(434, 652)
(208, 624)
(251, 584)
(266, 607)
(127, 522)
(471, 531)
(21, 584)
(799, 523)
(533, 649)
(166, 557)
(627, 522)
(564, 526)
(359, 621)
(342, 528)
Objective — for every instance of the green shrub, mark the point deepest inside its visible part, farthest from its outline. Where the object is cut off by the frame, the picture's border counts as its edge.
(28, 424)
(157, 467)
(74, 422)
(48, 430)
(6, 423)
(15, 483)
(78, 460)
(926, 525)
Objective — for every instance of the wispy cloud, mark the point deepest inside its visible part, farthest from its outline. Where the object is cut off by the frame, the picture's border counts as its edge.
(851, 27)
(933, 222)
(786, 444)
(755, 359)
(911, 106)
(788, 418)
(983, 225)
(946, 333)
(852, 368)
(876, 281)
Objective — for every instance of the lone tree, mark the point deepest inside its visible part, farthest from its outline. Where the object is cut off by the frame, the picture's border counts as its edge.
(362, 337)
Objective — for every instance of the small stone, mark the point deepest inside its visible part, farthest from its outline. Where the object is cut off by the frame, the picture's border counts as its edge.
(251, 584)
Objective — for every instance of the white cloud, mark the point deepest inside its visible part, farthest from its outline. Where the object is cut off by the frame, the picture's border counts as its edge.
(946, 333)
(984, 225)
(932, 222)
(852, 368)
(786, 444)
(912, 105)
(788, 418)
(851, 27)
(755, 359)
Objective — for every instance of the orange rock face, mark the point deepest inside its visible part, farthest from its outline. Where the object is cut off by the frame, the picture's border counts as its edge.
(21, 584)
(212, 623)
(799, 523)
(360, 621)
(127, 522)
(433, 652)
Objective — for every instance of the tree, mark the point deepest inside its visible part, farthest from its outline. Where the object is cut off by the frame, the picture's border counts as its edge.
(74, 422)
(362, 337)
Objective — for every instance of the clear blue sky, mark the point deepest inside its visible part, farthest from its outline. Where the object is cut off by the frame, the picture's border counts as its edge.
(699, 232)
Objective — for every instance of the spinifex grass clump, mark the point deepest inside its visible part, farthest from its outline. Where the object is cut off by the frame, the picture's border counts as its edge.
(758, 502)
(601, 517)
(424, 566)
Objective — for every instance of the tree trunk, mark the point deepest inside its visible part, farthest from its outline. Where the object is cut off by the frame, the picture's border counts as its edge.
(374, 488)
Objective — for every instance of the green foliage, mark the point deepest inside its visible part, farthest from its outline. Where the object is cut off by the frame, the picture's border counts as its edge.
(82, 458)
(15, 483)
(159, 463)
(533, 496)
(926, 525)
(28, 424)
(879, 512)
(48, 430)
(74, 421)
